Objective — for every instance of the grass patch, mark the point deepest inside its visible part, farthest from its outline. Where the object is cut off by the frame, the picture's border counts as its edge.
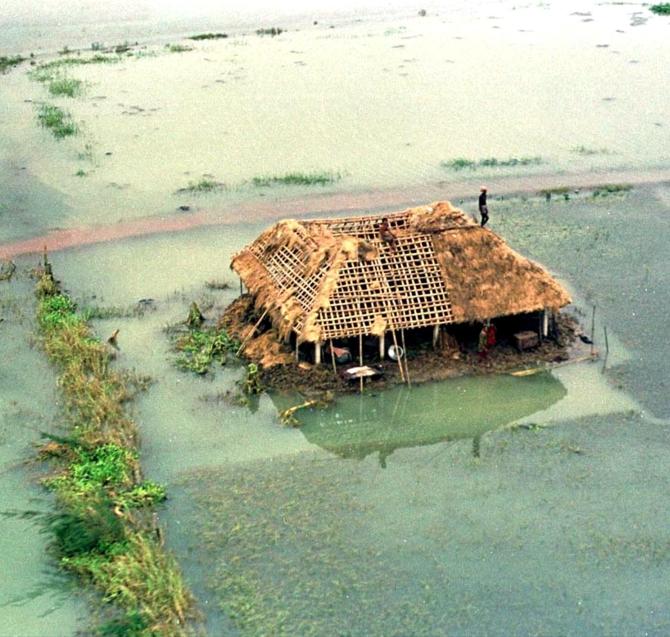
(178, 48)
(611, 189)
(99, 531)
(201, 187)
(66, 87)
(660, 9)
(462, 163)
(10, 61)
(296, 179)
(47, 70)
(93, 312)
(563, 191)
(209, 36)
(271, 31)
(81, 173)
(588, 152)
(58, 121)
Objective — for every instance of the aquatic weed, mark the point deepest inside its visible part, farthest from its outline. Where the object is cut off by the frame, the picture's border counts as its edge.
(208, 36)
(297, 179)
(178, 48)
(660, 9)
(201, 187)
(9, 61)
(66, 86)
(461, 163)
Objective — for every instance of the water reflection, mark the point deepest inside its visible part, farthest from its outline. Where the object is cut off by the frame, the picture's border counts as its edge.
(357, 426)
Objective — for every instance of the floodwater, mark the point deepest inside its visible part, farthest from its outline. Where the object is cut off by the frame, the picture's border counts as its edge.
(476, 506)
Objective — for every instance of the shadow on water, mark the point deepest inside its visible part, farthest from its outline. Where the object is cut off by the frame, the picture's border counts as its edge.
(358, 426)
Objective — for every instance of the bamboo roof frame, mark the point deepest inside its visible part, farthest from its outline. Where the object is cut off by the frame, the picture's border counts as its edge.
(336, 278)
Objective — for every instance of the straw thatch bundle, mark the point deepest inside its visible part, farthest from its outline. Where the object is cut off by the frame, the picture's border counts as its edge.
(335, 278)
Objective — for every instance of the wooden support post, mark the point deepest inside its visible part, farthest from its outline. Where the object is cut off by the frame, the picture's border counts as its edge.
(404, 356)
(398, 357)
(593, 331)
(436, 336)
(297, 350)
(360, 358)
(241, 288)
(317, 353)
(545, 324)
(332, 357)
(382, 346)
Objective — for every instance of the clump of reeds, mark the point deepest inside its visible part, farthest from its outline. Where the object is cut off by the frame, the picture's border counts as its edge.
(269, 31)
(178, 48)
(65, 87)
(202, 187)
(208, 36)
(660, 9)
(58, 121)
(297, 179)
(98, 531)
(611, 189)
(461, 163)
(9, 61)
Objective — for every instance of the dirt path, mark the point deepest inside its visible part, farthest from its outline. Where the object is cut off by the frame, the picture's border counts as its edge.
(393, 199)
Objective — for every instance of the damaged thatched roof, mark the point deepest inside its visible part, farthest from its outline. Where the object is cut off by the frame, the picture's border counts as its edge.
(335, 278)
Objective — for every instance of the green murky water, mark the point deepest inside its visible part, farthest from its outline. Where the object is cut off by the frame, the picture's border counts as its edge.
(413, 512)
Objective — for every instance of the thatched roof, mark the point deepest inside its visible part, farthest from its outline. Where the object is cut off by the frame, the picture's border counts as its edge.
(335, 278)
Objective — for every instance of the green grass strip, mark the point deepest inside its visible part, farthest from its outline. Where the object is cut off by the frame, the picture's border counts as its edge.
(660, 9)
(58, 121)
(102, 527)
(296, 179)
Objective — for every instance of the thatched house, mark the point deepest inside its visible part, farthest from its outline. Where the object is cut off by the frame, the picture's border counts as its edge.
(320, 280)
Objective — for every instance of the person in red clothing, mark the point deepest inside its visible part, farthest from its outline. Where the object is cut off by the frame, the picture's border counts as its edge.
(491, 335)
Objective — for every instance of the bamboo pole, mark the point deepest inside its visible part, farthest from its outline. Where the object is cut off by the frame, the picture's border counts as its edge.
(404, 355)
(593, 331)
(332, 357)
(250, 334)
(398, 357)
(360, 359)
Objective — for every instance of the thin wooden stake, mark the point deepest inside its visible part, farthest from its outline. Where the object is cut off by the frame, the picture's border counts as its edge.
(360, 358)
(593, 331)
(332, 357)
(250, 334)
(607, 345)
(404, 355)
(397, 353)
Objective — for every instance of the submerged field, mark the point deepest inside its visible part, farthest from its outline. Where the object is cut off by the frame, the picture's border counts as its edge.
(478, 506)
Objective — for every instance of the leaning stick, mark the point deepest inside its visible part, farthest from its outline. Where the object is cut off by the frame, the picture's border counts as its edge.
(250, 334)
(332, 357)
(360, 358)
(404, 355)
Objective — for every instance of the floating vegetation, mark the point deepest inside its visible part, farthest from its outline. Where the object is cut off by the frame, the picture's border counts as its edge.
(66, 86)
(611, 189)
(80, 61)
(91, 312)
(297, 179)
(178, 48)
(96, 532)
(251, 383)
(58, 121)
(587, 152)
(217, 285)
(271, 31)
(81, 173)
(564, 191)
(461, 163)
(660, 9)
(8, 62)
(200, 348)
(208, 36)
(201, 187)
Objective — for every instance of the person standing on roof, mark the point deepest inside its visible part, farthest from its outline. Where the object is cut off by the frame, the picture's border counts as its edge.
(483, 208)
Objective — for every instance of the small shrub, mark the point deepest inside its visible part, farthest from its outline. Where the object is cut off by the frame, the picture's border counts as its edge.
(8, 62)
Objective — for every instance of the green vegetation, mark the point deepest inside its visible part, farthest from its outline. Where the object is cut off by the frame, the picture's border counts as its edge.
(65, 86)
(209, 36)
(91, 312)
(271, 31)
(297, 179)
(200, 348)
(178, 48)
(660, 9)
(81, 173)
(462, 163)
(251, 383)
(561, 190)
(611, 189)
(58, 121)
(100, 531)
(8, 62)
(98, 58)
(201, 187)
(587, 152)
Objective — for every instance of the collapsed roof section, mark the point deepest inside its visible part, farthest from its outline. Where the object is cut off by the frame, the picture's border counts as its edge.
(335, 278)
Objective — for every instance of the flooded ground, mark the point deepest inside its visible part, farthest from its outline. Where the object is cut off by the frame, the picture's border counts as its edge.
(478, 506)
